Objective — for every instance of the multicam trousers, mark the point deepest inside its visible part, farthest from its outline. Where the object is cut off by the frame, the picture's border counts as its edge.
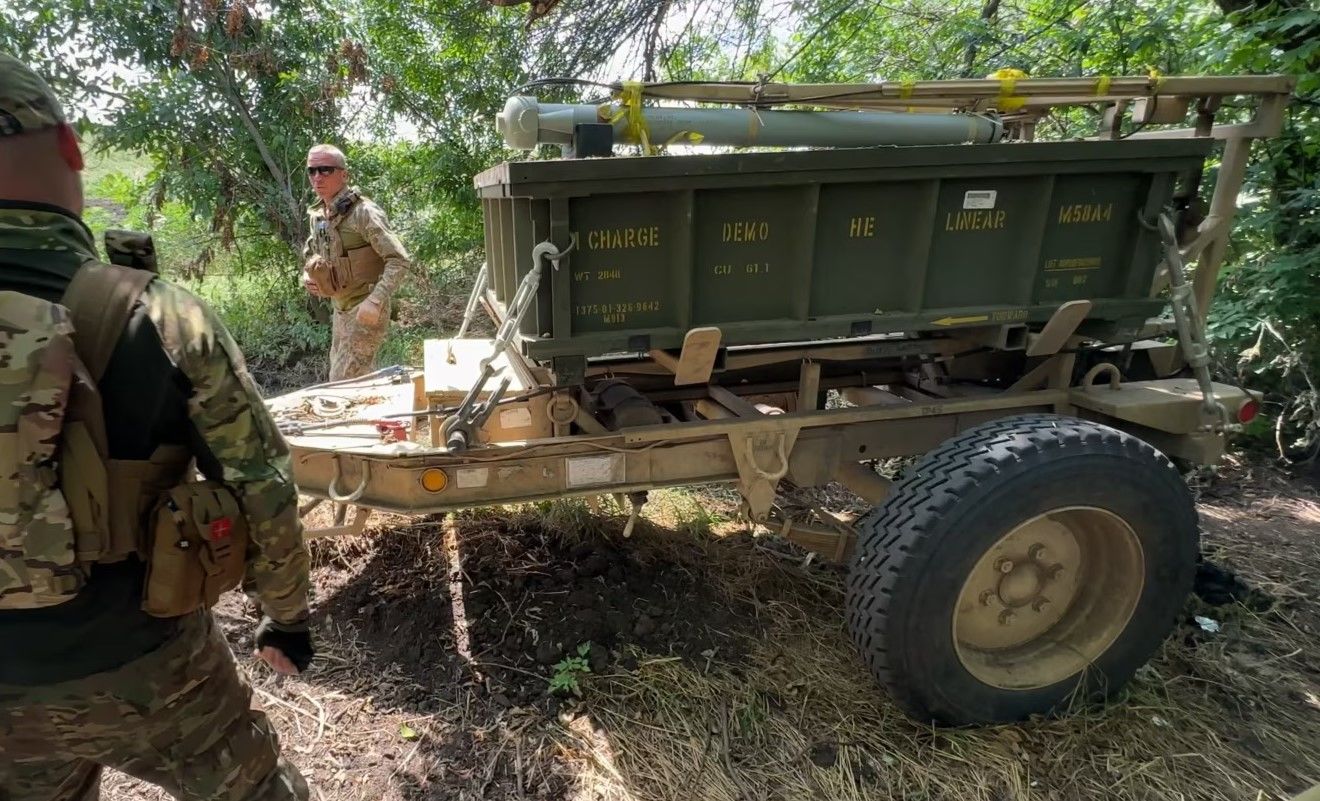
(179, 717)
(353, 346)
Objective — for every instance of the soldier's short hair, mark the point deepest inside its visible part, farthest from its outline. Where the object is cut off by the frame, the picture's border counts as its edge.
(332, 151)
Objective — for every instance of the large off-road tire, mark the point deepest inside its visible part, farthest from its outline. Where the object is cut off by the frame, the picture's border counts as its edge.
(1022, 565)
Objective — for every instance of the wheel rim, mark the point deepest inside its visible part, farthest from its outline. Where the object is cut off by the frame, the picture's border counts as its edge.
(1048, 598)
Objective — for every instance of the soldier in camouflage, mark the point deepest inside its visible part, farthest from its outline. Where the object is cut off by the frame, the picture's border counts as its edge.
(353, 258)
(94, 681)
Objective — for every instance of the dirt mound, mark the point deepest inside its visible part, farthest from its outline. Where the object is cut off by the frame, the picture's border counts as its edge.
(531, 598)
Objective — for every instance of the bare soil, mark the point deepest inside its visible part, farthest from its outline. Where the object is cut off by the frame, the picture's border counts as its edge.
(713, 664)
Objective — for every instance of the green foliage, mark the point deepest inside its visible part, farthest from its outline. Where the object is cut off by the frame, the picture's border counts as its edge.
(223, 95)
(1266, 315)
(569, 670)
(199, 113)
(271, 319)
(266, 310)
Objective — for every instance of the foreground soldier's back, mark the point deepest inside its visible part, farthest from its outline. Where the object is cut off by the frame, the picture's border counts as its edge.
(94, 679)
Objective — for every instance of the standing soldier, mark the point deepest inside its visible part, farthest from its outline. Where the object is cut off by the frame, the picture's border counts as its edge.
(113, 384)
(353, 258)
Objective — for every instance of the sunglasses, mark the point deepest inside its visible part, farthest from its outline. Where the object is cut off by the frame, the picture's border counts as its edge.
(321, 171)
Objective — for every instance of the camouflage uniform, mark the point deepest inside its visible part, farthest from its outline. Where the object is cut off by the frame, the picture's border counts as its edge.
(94, 681)
(354, 346)
(179, 717)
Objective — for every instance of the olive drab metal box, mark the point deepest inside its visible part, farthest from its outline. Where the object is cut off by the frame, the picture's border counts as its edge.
(797, 245)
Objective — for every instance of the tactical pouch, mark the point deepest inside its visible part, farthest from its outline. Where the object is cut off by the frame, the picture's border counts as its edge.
(198, 549)
(327, 277)
(361, 267)
(344, 274)
(365, 266)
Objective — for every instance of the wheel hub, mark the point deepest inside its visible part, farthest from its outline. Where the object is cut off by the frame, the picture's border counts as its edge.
(1048, 598)
(1022, 585)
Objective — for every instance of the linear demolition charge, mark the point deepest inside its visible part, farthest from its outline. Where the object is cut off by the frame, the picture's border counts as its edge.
(525, 123)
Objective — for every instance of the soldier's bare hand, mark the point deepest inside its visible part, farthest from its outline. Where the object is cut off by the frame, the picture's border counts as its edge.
(286, 647)
(368, 312)
(310, 285)
(277, 660)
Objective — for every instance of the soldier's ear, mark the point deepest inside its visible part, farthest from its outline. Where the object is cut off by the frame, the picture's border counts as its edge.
(70, 151)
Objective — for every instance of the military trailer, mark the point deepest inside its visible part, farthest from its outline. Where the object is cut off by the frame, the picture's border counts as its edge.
(909, 272)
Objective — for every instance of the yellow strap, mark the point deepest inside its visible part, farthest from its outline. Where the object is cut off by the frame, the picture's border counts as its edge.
(1008, 78)
(630, 108)
(1157, 78)
(693, 138)
(905, 92)
(1102, 85)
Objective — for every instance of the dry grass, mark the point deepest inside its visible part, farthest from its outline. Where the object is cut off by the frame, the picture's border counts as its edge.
(1227, 717)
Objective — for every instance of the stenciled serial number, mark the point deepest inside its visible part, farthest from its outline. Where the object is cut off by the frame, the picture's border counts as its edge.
(1087, 263)
(615, 313)
(617, 308)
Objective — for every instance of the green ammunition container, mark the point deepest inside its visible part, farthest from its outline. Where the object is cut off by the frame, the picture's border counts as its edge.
(806, 245)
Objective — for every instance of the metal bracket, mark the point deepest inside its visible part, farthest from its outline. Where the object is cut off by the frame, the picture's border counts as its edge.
(360, 516)
(1061, 326)
(834, 541)
(762, 457)
(696, 361)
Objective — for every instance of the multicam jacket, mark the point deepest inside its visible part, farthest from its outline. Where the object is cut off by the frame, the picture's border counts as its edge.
(348, 223)
(176, 377)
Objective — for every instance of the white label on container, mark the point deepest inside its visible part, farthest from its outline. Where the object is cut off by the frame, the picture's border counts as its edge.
(516, 418)
(980, 199)
(472, 477)
(586, 471)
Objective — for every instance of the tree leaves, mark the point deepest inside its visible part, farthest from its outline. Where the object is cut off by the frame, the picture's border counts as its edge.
(225, 95)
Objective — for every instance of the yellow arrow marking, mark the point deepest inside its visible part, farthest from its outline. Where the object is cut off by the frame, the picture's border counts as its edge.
(976, 318)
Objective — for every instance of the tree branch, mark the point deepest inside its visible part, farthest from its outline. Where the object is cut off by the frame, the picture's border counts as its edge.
(648, 73)
(843, 9)
(988, 13)
(295, 211)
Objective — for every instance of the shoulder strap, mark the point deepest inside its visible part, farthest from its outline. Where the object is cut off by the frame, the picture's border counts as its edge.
(100, 299)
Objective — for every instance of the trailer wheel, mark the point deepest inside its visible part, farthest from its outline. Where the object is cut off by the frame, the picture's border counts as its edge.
(1022, 565)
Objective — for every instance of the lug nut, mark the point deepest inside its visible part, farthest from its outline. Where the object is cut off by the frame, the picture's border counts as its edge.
(1005, 617)
(1004, 565)
(986, 597)
(1039, 603)
(1036, 552)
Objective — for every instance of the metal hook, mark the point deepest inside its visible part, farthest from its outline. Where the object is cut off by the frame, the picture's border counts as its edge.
(333, 489)
(1103, 367)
